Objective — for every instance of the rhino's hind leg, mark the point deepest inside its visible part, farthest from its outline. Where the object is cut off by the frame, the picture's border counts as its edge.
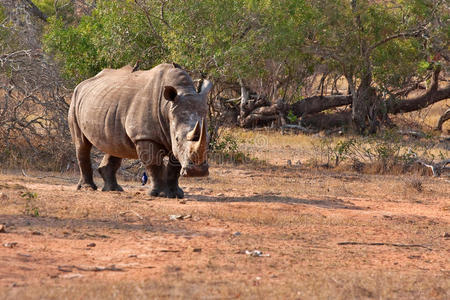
(83, 151)
(173, 190)
(107, 169)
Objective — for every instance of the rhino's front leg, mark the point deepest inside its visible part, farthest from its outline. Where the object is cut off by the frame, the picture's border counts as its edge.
(151, 154)
(172, 174)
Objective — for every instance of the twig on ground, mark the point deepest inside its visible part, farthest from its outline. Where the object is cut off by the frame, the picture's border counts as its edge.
(385, 244)
(69, 268)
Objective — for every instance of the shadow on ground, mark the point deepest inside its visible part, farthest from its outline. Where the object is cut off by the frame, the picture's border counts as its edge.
(89, 228)
(329, 202)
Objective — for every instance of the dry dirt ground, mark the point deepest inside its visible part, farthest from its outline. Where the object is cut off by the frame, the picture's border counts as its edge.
(322, 234)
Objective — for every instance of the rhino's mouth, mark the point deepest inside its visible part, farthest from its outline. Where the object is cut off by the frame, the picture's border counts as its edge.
(192, 170)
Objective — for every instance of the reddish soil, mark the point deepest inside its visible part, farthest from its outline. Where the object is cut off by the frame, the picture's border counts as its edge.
(125, 245)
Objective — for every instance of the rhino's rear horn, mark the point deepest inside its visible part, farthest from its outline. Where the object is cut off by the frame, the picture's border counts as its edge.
(206, 87)
(194, 135)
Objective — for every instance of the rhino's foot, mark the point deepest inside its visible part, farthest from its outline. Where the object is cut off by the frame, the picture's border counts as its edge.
(112, 187)
(87, 186)
(175, 192)
(155, 192)
(167, 193)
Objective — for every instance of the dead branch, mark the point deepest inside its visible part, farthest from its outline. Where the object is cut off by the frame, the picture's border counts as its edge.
(444, 118)
(436, 168)
(69, 268)
(431, 96)
(297, 127)
(36, 11)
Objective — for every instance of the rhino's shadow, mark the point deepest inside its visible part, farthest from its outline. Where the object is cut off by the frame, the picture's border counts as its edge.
(83, 228)
(328, 202)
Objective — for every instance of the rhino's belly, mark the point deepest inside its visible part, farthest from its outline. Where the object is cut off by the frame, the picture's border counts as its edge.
(106, 131)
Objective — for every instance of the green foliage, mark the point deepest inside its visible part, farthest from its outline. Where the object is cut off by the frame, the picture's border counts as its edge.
(291, 117)
(225, 148)
(114, 35)
(253, 39)
(30, 207)
(386, 150)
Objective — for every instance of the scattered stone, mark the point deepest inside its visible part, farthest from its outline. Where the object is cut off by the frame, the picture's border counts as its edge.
(256, 253)
(180, 217)
(2, 228)
(91, 245)
(10, 245)
(197, 250)
(446, 234)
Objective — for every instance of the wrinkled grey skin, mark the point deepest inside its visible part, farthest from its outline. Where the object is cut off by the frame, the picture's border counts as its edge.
(146, 115)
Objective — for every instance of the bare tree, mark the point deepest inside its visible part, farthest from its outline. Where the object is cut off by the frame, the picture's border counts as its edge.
(33, 105)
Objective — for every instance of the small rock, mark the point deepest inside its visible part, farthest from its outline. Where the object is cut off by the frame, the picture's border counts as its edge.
(10, 245)
(182, 201)
(220, 195)
(36, 233)
(197, 250)
(237, 233)
(446, 234)
(2, 228)
(3, 196)
(179, 217)
(289, 162)
(256, 253)
(91, 245)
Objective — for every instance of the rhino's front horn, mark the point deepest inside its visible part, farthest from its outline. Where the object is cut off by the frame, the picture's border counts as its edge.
(194, 135)
(199, 148)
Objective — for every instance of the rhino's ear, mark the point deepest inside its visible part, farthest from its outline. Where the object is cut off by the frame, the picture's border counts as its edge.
(170, 93)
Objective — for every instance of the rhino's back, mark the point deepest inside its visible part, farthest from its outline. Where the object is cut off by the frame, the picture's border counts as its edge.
(116, 108)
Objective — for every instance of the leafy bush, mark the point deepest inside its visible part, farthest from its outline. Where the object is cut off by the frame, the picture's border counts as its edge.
(385, 151)
(225, 149)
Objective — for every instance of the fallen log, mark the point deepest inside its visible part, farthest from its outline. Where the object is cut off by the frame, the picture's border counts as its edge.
(318, 104)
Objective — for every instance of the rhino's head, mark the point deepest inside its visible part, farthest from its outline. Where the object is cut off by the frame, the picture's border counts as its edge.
(188, 130)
